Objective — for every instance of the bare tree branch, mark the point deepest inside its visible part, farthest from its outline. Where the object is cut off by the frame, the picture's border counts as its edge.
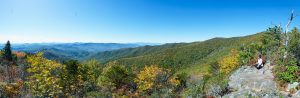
(286, 33)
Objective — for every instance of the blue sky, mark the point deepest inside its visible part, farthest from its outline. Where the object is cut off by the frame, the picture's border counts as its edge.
(122, 21)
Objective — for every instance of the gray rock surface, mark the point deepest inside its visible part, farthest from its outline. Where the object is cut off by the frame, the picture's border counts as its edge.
(215, 91)
(248, 82)
(297, 94)
(293, 85)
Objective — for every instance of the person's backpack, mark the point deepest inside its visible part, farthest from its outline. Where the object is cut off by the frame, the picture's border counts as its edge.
(264, 60)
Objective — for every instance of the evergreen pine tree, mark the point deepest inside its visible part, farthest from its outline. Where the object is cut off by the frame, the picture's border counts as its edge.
(7, 52)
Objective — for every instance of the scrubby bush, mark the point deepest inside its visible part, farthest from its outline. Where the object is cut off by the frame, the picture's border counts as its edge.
(287, 71)
(247, 52)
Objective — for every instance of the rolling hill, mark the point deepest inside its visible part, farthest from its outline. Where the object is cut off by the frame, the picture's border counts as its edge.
(179, 56)
(131, 52)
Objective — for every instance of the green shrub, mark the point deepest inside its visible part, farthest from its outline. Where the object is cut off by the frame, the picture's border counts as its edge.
(117, 75)
(294, 42)
(287, 71)
(247, 52)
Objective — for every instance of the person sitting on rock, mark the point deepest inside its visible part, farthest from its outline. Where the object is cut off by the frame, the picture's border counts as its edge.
(259, 63)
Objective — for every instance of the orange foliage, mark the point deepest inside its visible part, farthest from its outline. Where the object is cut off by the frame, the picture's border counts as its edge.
(20, 54)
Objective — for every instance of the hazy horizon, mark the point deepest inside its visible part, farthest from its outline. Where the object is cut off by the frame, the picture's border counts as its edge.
(4, 42)
(146, 21)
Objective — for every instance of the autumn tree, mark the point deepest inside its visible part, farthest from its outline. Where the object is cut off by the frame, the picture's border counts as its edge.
(153, 79)
(229, 62)
(43, 80)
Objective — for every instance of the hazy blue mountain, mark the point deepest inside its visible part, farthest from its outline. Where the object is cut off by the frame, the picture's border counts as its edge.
(77, 51)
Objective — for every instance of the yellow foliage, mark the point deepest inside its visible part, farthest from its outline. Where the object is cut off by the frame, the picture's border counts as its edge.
(43, 79)
(174, 81)
(229, 62)
(146, 78)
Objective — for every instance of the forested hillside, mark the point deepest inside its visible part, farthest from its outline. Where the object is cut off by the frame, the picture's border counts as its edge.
(197, 69)
(178, 55)
(132, 52)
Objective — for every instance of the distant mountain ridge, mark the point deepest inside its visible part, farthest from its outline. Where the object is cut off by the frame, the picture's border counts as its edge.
(132, 52)
(77, 51)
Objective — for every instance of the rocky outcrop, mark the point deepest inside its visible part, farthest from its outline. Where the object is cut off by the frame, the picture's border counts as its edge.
(247, 82)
